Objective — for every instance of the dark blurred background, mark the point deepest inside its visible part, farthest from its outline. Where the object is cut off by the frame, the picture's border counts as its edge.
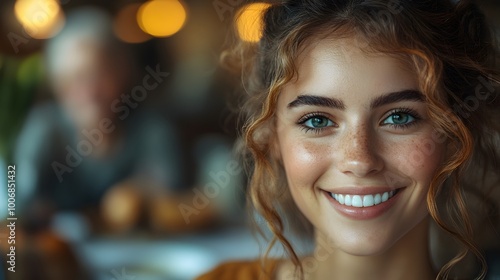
(121, 124)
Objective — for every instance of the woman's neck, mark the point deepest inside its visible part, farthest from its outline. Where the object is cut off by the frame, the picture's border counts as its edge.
(407, 259)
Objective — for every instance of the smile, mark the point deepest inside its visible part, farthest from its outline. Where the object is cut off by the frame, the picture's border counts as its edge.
(363, 203)
(367, 200)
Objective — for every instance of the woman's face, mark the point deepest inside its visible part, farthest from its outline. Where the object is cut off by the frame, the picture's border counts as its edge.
(357, 145)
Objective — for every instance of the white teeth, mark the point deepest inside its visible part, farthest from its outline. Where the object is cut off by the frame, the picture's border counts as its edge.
(363, 200)
(356, 201)
(385, 196)
(348, 200)
(368, 200)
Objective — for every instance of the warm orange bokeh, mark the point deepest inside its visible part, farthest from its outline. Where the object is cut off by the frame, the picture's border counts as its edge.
(249, 21)
(161, 18)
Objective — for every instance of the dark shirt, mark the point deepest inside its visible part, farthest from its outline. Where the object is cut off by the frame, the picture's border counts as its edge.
(51, 160)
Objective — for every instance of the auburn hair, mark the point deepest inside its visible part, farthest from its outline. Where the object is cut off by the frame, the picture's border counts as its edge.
(451, 49)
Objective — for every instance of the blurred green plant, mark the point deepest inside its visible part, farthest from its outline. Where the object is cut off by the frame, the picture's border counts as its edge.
(19, 82)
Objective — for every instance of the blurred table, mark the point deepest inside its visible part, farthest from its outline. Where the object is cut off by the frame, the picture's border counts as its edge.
(172, 258)
(177, 258)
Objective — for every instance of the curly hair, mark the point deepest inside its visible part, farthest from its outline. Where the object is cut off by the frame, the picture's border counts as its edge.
(450, 47)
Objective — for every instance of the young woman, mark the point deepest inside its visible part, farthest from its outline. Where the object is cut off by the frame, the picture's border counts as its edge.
(368, 123)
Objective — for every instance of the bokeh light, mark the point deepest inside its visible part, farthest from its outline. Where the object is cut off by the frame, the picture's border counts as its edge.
(161, 18)
(249, 21)
(41, 19)
(126, 27)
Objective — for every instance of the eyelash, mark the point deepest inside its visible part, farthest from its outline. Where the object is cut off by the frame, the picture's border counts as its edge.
(407, 111)
(309, 116)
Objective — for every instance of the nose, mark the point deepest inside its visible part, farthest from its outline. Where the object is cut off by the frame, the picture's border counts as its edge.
(359, 155)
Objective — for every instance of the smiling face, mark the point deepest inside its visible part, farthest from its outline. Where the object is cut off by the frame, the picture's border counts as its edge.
(354, 137)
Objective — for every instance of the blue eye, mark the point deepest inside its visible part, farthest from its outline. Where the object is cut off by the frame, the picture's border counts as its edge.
(317, 122)
(400, 118)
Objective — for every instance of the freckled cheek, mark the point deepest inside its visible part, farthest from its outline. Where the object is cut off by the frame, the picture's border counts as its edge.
(304, 162)
(419, 158)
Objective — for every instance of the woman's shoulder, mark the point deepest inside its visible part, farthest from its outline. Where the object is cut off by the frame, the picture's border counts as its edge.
(241, 270)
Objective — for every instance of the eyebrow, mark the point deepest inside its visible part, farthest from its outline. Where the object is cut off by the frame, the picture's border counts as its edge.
(392, 97)
(398, 96)
(314, 100)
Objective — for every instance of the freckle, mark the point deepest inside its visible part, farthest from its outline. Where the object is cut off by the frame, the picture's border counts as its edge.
(314, 151)
(356, 144)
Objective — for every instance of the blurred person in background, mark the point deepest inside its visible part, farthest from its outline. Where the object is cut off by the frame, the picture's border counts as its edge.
(93, 137)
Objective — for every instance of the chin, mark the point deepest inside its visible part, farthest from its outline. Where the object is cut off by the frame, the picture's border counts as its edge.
(360, 239)
(363, 240)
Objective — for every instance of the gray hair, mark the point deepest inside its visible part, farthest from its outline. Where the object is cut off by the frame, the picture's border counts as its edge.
(90, 25)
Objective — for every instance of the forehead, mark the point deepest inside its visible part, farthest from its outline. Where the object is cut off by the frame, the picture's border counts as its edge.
(334, 66)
